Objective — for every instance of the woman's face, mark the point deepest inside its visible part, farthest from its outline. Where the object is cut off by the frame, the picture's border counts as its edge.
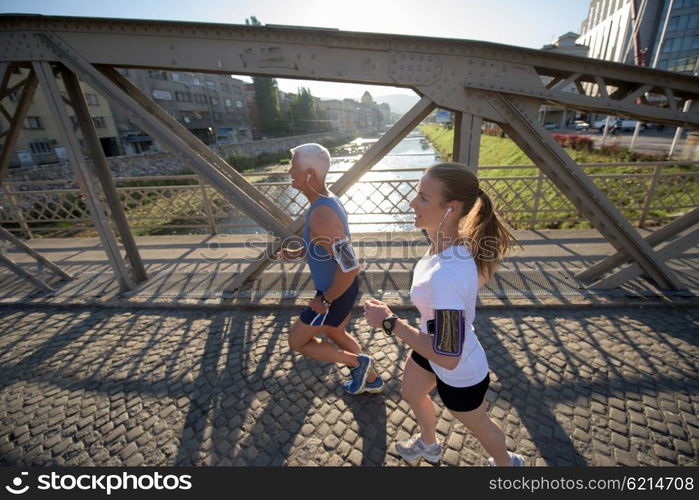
(428, 204)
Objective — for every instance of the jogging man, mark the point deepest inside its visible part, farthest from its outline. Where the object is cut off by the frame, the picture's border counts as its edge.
(334, 270)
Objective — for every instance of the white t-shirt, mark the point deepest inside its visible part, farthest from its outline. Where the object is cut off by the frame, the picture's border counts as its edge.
(449, 280)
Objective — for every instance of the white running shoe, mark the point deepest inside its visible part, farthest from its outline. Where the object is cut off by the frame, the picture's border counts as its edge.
(414, 448)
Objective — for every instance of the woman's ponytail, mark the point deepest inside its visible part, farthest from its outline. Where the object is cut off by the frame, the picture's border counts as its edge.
(487, 235)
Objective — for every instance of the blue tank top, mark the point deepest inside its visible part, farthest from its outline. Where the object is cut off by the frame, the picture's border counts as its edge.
(322, 264)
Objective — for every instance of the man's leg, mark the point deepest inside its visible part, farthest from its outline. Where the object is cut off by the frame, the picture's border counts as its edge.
(345, 341)
(302, 340)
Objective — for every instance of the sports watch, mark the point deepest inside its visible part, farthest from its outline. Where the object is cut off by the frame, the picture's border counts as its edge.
(324, 301)
(388, 323)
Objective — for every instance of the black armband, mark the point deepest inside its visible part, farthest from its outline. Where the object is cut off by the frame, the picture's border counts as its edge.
(449, 329)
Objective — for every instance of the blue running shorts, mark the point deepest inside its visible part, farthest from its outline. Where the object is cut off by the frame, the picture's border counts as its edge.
(338, 312)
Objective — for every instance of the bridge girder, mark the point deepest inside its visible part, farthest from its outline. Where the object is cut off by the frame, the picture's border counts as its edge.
(477, 80)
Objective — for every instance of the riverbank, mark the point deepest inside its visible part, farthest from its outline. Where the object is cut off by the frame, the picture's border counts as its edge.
(503, 151)
(630, 187)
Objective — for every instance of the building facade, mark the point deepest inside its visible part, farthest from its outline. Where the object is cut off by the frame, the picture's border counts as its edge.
(553, 116)
(39, 141)
(663, 34)
(349, 115)
(210, 106)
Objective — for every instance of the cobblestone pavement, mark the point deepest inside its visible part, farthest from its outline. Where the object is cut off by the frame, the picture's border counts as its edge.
(104, 386)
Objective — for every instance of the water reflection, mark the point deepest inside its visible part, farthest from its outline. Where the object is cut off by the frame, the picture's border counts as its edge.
(378, 202)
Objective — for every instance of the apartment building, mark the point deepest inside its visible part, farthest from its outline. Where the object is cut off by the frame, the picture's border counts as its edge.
(349, 115)
(39, 142)
(663, 34)
(210, 106)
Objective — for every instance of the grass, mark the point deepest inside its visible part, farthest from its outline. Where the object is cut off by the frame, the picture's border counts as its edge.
(504, 151)
(516, 195)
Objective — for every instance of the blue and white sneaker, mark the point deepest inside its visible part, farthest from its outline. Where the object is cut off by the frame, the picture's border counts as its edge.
(515, 460)
(358, 375)
(374, 387)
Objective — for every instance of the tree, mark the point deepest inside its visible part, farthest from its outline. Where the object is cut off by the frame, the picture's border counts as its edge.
(302, 114)
(267, 99)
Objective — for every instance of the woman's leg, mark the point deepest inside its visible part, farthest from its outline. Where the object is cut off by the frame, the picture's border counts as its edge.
(417, 383)
(486, 431)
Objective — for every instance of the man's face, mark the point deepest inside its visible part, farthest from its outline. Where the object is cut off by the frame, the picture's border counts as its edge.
(297, 174)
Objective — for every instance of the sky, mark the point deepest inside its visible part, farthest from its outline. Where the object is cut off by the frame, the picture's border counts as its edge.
(525, 23)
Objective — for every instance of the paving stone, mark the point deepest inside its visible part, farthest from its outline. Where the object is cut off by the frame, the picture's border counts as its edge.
(610, 410)
(135, 460)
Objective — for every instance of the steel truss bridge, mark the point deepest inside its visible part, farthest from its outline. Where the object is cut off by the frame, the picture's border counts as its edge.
(475, 80)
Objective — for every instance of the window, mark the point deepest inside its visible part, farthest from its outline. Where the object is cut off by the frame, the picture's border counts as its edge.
(91, 99)
(693, 21)
(227, 102)
(685, 64)
(225, 87)
(99, 122)
(158, 75)
(180, 77)
(15, 95)
(211, 84)
(214, 101)
(197, 81)
(200, 98)
(33, 122)
(183, 96)
(238, 104)
(163, 95)
(42, 147)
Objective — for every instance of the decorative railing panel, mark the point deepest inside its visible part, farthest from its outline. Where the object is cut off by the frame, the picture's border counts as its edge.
(646, 193)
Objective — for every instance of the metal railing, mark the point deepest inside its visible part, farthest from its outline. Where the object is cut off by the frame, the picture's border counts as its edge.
(646, 193)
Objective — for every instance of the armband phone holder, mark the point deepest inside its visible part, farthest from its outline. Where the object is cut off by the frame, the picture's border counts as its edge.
(449, 330)
(344, 255)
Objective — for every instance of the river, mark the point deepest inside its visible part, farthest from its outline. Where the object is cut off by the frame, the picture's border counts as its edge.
(366, 203)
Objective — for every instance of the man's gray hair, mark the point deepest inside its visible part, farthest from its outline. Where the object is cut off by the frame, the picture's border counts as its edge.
(313, 156)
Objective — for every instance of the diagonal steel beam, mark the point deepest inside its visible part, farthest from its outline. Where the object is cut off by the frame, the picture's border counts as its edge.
(20, 245)
(92, 195)
(372, 156)
(193, 142)
(24, 274)
(17, 120)
(655, 238)
(171, 141)
(688, 240)
(101, 171)
(572, 181)
(5, 74)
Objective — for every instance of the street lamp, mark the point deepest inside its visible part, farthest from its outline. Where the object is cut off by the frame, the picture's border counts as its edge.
(212, 139)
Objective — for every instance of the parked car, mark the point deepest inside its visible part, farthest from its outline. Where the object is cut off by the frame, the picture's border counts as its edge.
(616, 124)
(581, 125)
(599, 125)
(628, 125)
(550, 125)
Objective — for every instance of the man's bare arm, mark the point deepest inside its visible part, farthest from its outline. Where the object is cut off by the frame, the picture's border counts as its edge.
(325, 228)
